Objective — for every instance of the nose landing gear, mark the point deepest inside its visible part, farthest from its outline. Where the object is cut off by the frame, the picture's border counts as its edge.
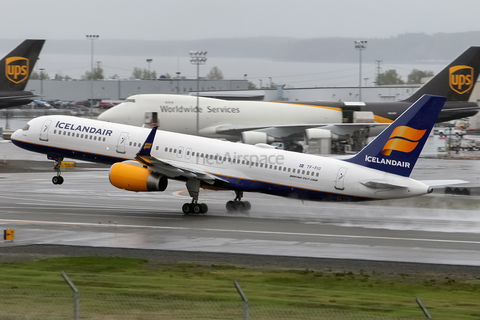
(58, 179)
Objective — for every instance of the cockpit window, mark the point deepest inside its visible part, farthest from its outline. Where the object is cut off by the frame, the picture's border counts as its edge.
(26, 127)
(130, 100)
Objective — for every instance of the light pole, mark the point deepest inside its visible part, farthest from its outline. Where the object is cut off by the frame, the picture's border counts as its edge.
(360, 45)
(178, 82)
(149, 74)
(91, 37)
(41, 82)
(198, 58)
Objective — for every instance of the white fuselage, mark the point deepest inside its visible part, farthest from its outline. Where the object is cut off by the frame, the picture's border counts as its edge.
(245, 167)
(177, 113)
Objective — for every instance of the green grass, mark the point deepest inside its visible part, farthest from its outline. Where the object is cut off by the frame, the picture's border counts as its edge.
(121, 288)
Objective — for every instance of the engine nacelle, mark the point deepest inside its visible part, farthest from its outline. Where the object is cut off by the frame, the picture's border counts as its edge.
(136, 178)
(254, 137)
(315, 133)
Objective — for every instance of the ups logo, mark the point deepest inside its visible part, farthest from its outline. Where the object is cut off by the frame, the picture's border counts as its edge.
(16, 69)
(461, 78)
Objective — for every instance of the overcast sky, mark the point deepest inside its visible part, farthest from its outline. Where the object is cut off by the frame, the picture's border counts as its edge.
(194, 19)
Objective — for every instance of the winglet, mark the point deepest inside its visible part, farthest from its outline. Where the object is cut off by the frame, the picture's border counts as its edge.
(147, 145)
(397, 148)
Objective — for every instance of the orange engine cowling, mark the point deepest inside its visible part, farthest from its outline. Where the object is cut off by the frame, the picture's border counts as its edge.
(136, 178)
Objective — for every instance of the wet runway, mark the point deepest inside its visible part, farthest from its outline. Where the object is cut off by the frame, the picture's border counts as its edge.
(87, 211)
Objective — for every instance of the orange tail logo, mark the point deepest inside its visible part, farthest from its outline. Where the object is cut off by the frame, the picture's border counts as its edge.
(16, 69)
(397, 141)
(460, 78)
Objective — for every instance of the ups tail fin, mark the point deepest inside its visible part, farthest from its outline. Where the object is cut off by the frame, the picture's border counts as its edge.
(16, 67)
(456, 81)
(397, 148)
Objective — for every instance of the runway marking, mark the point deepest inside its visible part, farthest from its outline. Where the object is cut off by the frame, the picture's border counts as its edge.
(320, 235)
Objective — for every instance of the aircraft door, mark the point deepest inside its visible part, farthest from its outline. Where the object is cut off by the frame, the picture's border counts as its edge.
(44, 132)
(340, 179)
(151, 120)
(122, 141)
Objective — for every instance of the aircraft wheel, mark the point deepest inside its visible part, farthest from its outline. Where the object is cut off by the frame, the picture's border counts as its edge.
(197, 208)
(240, 206)
(186, 208)
(230, 206)
(247, 205)
(204, 208)
(57, 180)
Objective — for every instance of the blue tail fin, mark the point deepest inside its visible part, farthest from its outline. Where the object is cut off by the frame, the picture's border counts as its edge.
(397, 148)
(147, 145)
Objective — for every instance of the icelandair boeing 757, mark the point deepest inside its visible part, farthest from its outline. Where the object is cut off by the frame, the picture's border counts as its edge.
(145, 159)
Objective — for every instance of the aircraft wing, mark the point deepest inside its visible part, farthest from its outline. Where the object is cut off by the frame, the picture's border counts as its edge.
(172, 169)
(280, 131)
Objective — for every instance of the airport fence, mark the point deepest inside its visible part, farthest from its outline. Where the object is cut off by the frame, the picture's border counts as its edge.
(99, 300)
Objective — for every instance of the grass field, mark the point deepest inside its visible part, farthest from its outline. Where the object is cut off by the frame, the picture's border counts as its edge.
(122, 288)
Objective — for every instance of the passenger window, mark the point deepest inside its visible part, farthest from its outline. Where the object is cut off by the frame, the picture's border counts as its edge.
(166, 148)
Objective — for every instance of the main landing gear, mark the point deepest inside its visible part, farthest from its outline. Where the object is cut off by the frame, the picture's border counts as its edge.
(193, 187)
(58, 179)
(238, 204)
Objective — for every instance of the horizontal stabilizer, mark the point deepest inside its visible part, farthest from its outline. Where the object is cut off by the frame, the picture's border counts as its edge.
(377, 184)
(442, 183)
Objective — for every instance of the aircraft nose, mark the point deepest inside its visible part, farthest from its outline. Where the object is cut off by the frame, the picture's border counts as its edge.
(16, 134)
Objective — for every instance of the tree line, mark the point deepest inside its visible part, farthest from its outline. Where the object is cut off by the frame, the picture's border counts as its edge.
(389, 77)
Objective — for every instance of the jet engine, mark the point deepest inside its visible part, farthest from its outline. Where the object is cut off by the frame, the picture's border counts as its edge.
(316, 133)
(254, 137)
(132, 177)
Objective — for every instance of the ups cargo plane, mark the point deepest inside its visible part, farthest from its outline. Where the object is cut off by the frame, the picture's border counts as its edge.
(146, 159)
(264, 122)
(15, 70)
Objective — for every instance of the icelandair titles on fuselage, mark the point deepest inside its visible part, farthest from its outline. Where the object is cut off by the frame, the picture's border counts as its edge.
(182, 109)
(80, 128)
(390, 162)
